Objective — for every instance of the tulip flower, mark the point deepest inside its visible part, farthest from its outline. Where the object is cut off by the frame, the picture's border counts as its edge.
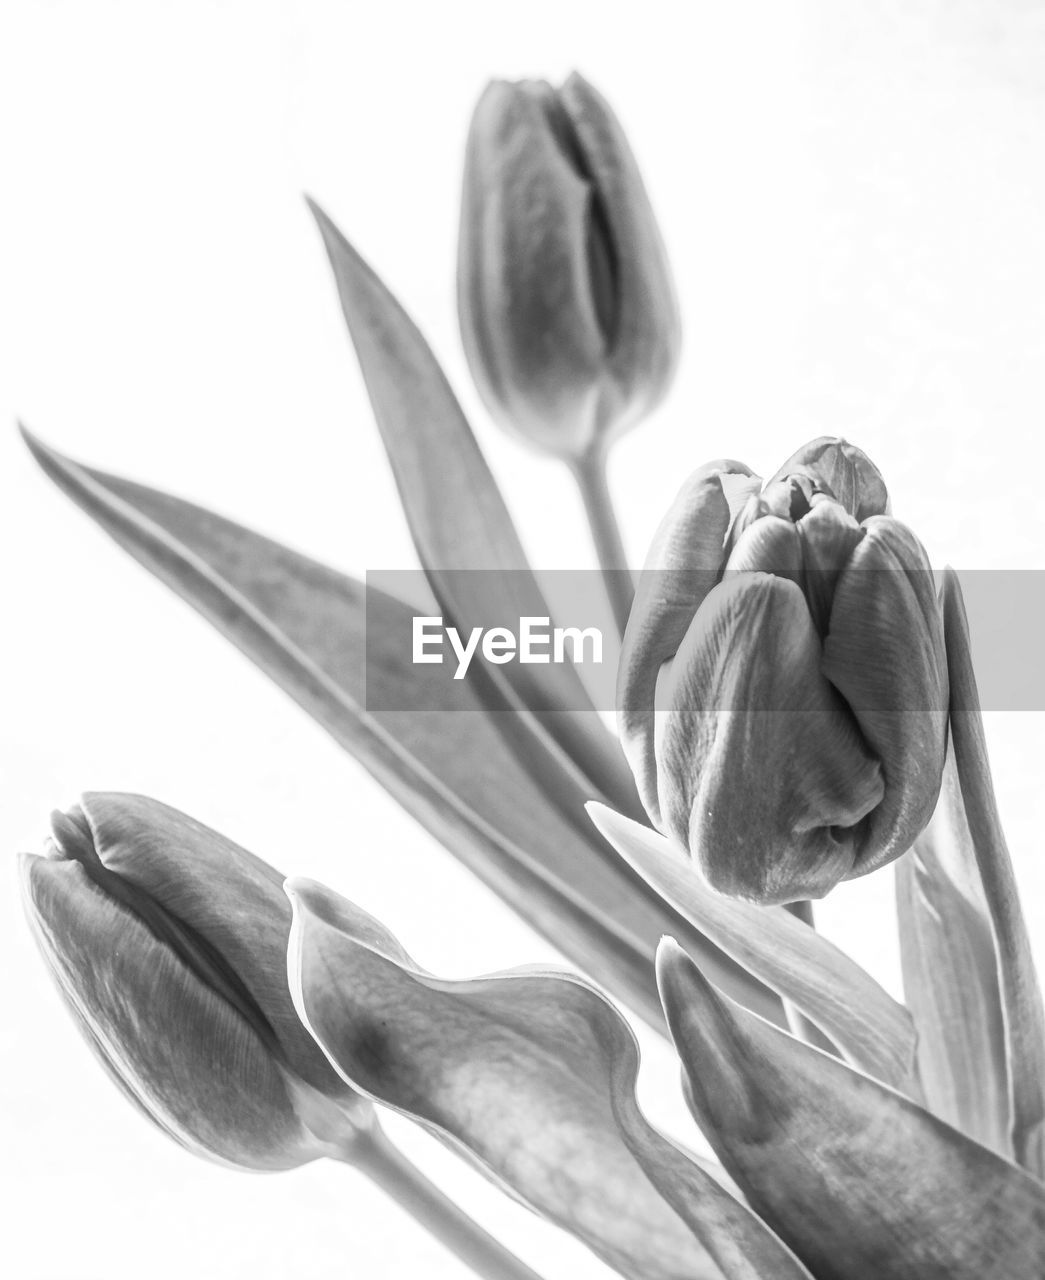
(567, 309)
(168, 943)
(805, 705)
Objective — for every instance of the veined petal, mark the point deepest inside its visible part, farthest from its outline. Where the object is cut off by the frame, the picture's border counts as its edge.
(232, 899)
(829, 536)
(528, 313)
(645, 346)
(762, 773)
(684, 562)
(182, 1053)
(884, 652)
(857, 1179)
(770, 545)
(844, 471)
(530, 1074)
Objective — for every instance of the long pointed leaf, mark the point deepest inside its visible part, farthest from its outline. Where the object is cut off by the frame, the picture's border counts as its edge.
(950, 976)
(859, 1180)
(455, 510)
(531, 1074)
(306, 626)
(869, 1027)
(1021, 1001)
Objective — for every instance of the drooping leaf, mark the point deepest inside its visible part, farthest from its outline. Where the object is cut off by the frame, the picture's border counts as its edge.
(456, 513)
(530, 1074)
(965, 850)
(857, 1179)
(871, 1029)
(306, 626)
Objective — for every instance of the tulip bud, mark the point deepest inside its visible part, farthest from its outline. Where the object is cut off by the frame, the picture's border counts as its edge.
(567, 309)
(168, 943)
(795, 633)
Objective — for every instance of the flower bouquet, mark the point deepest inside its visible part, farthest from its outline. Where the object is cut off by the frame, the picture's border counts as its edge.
(796, 706)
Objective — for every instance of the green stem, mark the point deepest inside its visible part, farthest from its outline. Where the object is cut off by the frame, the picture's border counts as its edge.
(386, 1166)
(590, 473)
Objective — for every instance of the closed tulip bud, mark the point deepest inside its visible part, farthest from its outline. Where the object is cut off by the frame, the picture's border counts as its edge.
(168, 943)
(567, 309)
(795, 633)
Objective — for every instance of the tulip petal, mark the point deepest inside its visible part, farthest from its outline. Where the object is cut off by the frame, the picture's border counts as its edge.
(884, 652)
(229, 898)
(969, 875)
(182, 1053)
(844, 471)
(859, 1180)
(763, 776)
(529, 320)
(307, 628)
(770, 545)
(684, 562)
(456, 513)
(829, 536)
(531, 1075)
(872, 1031)
(646, 340)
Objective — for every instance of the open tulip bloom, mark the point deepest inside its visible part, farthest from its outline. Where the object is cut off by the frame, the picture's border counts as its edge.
(797, 707)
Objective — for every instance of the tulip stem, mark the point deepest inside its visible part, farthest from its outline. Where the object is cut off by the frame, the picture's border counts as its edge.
(590, 473)
(400, 1179)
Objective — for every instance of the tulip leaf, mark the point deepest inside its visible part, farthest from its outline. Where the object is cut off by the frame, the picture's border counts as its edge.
(530, 1075)
(306, 627)
(858, 1180)
(456, 513)
(950, 976)
(870, 1028)
(968, 966)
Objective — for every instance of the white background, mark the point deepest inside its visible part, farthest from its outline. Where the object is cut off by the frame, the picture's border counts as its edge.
(853, 198)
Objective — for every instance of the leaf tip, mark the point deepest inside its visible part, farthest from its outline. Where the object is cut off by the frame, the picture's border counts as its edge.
(318, 212)
(600, 815)
(300, 890)
(335, 243)
(670, 962)
(34, 444)
(683, 987)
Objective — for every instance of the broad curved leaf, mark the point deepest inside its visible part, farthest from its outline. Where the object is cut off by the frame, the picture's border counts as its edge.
(858, 1180)
(531, 1075)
